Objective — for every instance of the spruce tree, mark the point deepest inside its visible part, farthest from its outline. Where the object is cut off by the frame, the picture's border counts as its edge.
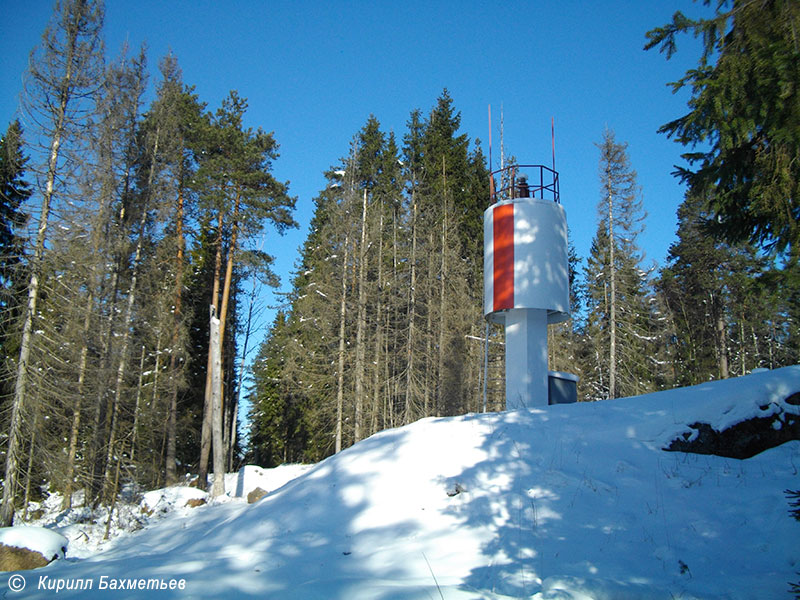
(732, 309)
(375, 332)
(693, 284)
(64, 75)
(619, 324)
(14, 191)
(745, 105)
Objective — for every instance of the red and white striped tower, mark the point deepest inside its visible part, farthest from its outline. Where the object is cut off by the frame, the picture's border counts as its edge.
(526, 275)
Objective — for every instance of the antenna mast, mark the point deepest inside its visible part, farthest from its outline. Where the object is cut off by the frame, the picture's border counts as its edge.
(502, 151)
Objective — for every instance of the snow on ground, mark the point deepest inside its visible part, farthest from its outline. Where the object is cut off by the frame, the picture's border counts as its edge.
(565, 502)
(85, 528)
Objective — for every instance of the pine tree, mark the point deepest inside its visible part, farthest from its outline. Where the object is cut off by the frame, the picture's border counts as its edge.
(244, 196)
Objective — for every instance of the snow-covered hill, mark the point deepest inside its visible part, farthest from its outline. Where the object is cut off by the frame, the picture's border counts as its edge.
(567, 502)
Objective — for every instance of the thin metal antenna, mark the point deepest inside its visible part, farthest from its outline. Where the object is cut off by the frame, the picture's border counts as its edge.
(491, 176)
(502, 150)
(490, 138)
(553, 138)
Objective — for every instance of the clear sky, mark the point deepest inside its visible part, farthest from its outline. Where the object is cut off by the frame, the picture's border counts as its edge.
(313, 72)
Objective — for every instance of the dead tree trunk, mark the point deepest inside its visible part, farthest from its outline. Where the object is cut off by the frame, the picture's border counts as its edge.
(361, 324)
(412, 314)
(340, 371)
(215, 351)
(21, 384)
(205, 436)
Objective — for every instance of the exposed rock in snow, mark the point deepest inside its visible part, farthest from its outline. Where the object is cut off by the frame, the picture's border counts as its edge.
(167, 499)
(25, 547)
(255, 495)
(20, 559)
(746, 438)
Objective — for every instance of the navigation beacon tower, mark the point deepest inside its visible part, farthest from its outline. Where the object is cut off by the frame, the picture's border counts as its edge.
(526, 276)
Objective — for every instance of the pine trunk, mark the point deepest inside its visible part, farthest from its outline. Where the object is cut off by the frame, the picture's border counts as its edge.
(226, 293)
(172, 412)
(205, 435)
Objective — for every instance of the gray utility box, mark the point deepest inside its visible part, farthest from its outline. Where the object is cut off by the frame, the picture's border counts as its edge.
(562, 388)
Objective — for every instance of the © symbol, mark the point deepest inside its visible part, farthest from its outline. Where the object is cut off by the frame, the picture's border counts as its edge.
(16, 583)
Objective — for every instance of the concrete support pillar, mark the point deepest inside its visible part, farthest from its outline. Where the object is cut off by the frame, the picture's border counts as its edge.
(526, 358)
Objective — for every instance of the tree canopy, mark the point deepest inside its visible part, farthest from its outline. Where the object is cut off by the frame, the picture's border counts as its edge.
(743, 125)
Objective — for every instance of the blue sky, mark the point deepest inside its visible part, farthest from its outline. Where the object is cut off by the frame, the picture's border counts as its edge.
(313, 72)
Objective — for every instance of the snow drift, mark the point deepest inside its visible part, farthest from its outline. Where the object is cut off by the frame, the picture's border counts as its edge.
(566, 502)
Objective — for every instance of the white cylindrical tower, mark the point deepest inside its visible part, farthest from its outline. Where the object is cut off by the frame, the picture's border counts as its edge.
(526, 276)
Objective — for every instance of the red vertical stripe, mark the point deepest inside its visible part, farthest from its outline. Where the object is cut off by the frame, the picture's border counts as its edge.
(503, 222)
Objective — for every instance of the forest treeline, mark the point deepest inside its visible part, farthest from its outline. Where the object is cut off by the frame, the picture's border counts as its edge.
(384, 323)
(131, 264)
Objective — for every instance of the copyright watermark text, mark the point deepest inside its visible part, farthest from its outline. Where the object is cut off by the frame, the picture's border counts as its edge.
(17, 583)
